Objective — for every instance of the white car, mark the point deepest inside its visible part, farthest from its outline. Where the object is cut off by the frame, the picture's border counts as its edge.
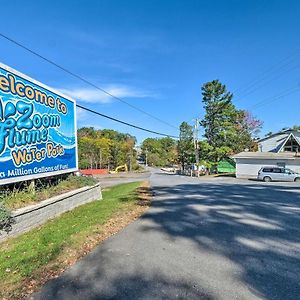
(170, 169)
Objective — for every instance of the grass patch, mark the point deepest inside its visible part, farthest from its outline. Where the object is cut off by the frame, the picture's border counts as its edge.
(27, 257)
(20, 195)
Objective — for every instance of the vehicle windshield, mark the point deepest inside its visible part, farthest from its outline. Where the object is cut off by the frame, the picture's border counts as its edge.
(289, 171)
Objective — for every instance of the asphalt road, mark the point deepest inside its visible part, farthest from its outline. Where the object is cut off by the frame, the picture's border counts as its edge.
(216, 239)
(113, 179)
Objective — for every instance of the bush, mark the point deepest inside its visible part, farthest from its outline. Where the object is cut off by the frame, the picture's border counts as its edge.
(21, 194)
(6, 220)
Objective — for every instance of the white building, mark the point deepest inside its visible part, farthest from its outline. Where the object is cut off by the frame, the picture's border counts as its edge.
(280, 149)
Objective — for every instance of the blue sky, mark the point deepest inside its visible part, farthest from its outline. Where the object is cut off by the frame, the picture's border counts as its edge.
(157, 54)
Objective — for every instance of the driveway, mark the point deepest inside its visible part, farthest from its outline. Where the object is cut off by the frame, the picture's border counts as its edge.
(216, 239)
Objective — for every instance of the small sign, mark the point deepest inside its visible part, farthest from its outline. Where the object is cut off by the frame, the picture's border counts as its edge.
(37, 129)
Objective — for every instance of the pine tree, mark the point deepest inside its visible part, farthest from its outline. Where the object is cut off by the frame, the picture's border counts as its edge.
(227, 130)
(220, 119)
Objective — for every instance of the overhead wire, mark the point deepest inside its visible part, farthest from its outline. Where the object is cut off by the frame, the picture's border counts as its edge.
(84, 80)
(250, 85)
(99, 88)
(274, 98)
(125, 123)
(268, 81)
(265, 75)
(269, 75)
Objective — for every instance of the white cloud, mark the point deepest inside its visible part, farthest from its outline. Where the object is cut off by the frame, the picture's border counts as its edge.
(92, 95)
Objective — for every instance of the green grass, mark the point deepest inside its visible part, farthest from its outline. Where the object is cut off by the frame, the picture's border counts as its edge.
(22, 196)
(23, 256)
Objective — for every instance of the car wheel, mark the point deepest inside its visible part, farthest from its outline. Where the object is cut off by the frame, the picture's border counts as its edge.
(267, 179)
(297, 179)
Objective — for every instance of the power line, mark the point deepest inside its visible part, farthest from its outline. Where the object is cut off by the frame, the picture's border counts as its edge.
(269, 75)
(123, 122)
(276, 67)
(274, 98)
(272, 78)
(84, 80)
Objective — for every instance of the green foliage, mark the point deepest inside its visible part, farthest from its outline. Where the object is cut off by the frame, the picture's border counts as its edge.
(6, 220)
(296, 127)
(19, 195)
(25, 254)
(105, 148)
(219, 119)
(159, 152)
(247, 130)
(185, 145)
(227, 130)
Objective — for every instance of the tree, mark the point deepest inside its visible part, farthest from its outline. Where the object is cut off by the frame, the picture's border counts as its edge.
(227, 130)
(87, 152)
(105, 148)
(296, 127)
(185, 145)
(248, 128)
(159, 151)
(219, 121)
(86, 132)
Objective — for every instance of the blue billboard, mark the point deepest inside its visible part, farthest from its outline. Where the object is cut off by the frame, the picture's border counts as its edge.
(37, 129)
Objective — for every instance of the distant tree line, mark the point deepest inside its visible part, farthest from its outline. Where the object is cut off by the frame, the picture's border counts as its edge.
(159, 151)
(105, 149)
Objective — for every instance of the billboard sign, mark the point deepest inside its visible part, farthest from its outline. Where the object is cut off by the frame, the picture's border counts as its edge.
(37, 129)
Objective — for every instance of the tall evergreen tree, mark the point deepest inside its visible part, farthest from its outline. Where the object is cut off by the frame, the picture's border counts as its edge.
(220, 119)
(227, 130)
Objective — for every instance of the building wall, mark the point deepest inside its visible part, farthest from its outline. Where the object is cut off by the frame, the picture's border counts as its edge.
(248, 168)
(32, 216)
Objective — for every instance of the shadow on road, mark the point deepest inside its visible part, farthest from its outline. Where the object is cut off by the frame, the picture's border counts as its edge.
(255, 226)
(136, 286)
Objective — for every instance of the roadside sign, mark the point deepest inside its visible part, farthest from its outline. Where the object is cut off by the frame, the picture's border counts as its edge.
(37, 129)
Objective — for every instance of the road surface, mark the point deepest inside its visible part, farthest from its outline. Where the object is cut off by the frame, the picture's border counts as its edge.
(113, 179)
(216, 239)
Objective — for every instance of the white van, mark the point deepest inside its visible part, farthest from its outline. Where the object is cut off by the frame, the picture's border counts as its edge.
(277, 174)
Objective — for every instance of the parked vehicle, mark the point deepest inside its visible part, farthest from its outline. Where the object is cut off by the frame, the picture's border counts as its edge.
(168, 169)
(268, 174)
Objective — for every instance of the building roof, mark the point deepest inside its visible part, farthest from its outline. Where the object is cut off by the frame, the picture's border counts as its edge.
(267, 155)
(287, 131)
